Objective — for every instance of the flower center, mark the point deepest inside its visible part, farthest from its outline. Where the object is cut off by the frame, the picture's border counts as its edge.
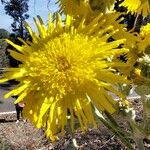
(63, 63)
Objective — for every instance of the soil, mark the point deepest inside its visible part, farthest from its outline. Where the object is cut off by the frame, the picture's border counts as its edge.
(24, 136)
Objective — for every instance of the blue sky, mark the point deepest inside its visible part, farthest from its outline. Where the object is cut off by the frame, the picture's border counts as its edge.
(36, 7)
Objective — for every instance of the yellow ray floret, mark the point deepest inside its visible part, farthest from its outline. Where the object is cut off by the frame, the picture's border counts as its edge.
(65, 71)
(137, 7)
(85, 7)
(74, 7)
(143, 41)
(101, 5)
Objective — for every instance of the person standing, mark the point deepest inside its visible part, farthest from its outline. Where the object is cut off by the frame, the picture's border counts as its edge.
(19, 108)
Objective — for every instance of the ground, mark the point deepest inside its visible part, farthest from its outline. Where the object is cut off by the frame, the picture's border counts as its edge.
(23, 136)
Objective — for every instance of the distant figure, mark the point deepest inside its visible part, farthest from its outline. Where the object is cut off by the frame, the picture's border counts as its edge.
(19, 109)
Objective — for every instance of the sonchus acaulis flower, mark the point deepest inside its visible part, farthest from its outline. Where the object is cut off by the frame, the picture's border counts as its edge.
(143, 43)
(102, 5)
(74, 7)
(65, 70)
(79, 8)
(140, 7)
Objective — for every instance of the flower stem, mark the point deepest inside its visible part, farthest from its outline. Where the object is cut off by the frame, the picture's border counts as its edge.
(73, 144)
(113, 127)
(139, 143)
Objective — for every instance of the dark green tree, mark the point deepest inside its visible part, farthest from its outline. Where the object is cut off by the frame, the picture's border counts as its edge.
(4, 34)
(17, 9)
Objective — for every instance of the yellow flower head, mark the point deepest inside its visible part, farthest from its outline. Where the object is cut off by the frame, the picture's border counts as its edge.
(65, 71)
(85, 7)
(145, 30)
(137, 7)
(130, 57)
(75, 7)
(143, 41)
(101, 5)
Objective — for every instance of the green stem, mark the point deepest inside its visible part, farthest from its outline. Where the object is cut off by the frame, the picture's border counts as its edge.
(144, 103)
(137, 135)
(115, 131)
(146, 112)
(73, 144)
(139, 143)
(115, 124)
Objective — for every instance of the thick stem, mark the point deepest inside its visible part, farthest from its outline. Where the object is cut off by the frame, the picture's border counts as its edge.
(146, 111)
(139, 143)
(144, 103)
(113, 128)
(116, 125)
(73, 144)
(137, 135)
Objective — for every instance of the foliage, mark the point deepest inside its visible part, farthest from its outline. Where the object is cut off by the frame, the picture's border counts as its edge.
(3, 45)
(4, 34)
(17, 9)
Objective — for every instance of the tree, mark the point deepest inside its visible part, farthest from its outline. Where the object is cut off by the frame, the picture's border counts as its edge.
(17, 9)
(4, 34)
(4, 62)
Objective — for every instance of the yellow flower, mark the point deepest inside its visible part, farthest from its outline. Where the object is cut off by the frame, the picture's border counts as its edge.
(80, 8)
(143, 41)
(114, 19)
(138, 78)
(101, 5)
(127, 60)
(65, 71)
(138, 7)
(145, 30)
(75, 7)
